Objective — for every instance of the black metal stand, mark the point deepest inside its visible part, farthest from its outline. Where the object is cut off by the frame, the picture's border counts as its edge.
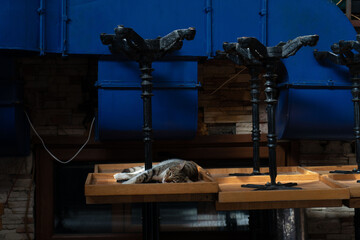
(146, 86)
(255, 136)
(242, 56)
(270, 57)
(271, 100)
(343, 55)
(144, 51)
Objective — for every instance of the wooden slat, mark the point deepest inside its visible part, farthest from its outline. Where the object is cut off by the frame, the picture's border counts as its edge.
(319, 193)
(277, 205)
(347, 181)
(284, 174)
(103, 184)
(312, 188)
(205, 197)
(326, 169)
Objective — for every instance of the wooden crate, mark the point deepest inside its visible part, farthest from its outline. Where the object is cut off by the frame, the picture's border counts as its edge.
(315, 191)
(348, 181)
(101, 187)
(287, 172)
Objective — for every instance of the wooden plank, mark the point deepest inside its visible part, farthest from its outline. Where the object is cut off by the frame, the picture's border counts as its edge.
(277, 205)
(326, 169)
(347, 181)
(103, 184)
(284, 174)
(312, 188)
(205, 197)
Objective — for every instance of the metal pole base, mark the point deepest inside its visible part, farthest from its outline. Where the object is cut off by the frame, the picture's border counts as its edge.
(269, 186)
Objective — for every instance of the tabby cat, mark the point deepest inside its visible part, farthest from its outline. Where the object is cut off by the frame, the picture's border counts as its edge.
(169, 171)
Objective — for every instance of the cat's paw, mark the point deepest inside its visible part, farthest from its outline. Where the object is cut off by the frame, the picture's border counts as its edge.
(121, 177)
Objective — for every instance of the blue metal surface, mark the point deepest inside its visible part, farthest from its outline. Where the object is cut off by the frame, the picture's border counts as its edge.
(41, 12)
(120, 106)
(316, 103)
(87, 19)
(73, 27)
(19, 27)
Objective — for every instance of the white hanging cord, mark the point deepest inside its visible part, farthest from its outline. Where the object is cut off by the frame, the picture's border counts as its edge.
(43, 143)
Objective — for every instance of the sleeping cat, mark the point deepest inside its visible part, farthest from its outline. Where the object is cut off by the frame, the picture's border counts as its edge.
(169, 171)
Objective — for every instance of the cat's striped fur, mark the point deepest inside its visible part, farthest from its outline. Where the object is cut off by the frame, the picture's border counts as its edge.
(172, 170)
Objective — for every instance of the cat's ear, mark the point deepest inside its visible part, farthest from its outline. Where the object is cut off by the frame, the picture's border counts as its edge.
(182, 165)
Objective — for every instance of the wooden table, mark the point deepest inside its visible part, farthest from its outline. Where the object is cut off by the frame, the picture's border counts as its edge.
(316, 191)
(102, 188)
(226, 191)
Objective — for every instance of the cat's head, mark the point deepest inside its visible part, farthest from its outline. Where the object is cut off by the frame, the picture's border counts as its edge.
(175, 174)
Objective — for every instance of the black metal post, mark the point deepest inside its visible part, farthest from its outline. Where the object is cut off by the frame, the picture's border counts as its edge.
(146, 86)
(151, 224)
(255, 93)
(271, 100)
(243, 56)
(270, 57)
(356, 100)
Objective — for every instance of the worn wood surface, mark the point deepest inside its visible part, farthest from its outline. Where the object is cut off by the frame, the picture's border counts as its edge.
(313, 188)
(103, 188)
(347, 181)
(284, 174)
(325, 170)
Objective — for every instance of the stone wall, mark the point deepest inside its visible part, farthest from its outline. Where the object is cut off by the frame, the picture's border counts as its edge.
(17, 194)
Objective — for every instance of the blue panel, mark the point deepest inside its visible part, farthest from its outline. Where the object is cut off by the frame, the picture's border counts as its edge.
(19, 26)
(233, 19)
(166, 74)
(315, 114)
(311, 109)
(289, 19)
(174, 104)
(53, 26)
(150, 19)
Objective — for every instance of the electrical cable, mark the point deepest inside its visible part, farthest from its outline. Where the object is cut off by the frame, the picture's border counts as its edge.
(339, 2)
(51, 154)
(223, 84)
(354, 16)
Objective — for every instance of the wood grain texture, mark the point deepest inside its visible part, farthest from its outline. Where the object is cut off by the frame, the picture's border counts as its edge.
(104, 184)
(313, 187)
(346, 181)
